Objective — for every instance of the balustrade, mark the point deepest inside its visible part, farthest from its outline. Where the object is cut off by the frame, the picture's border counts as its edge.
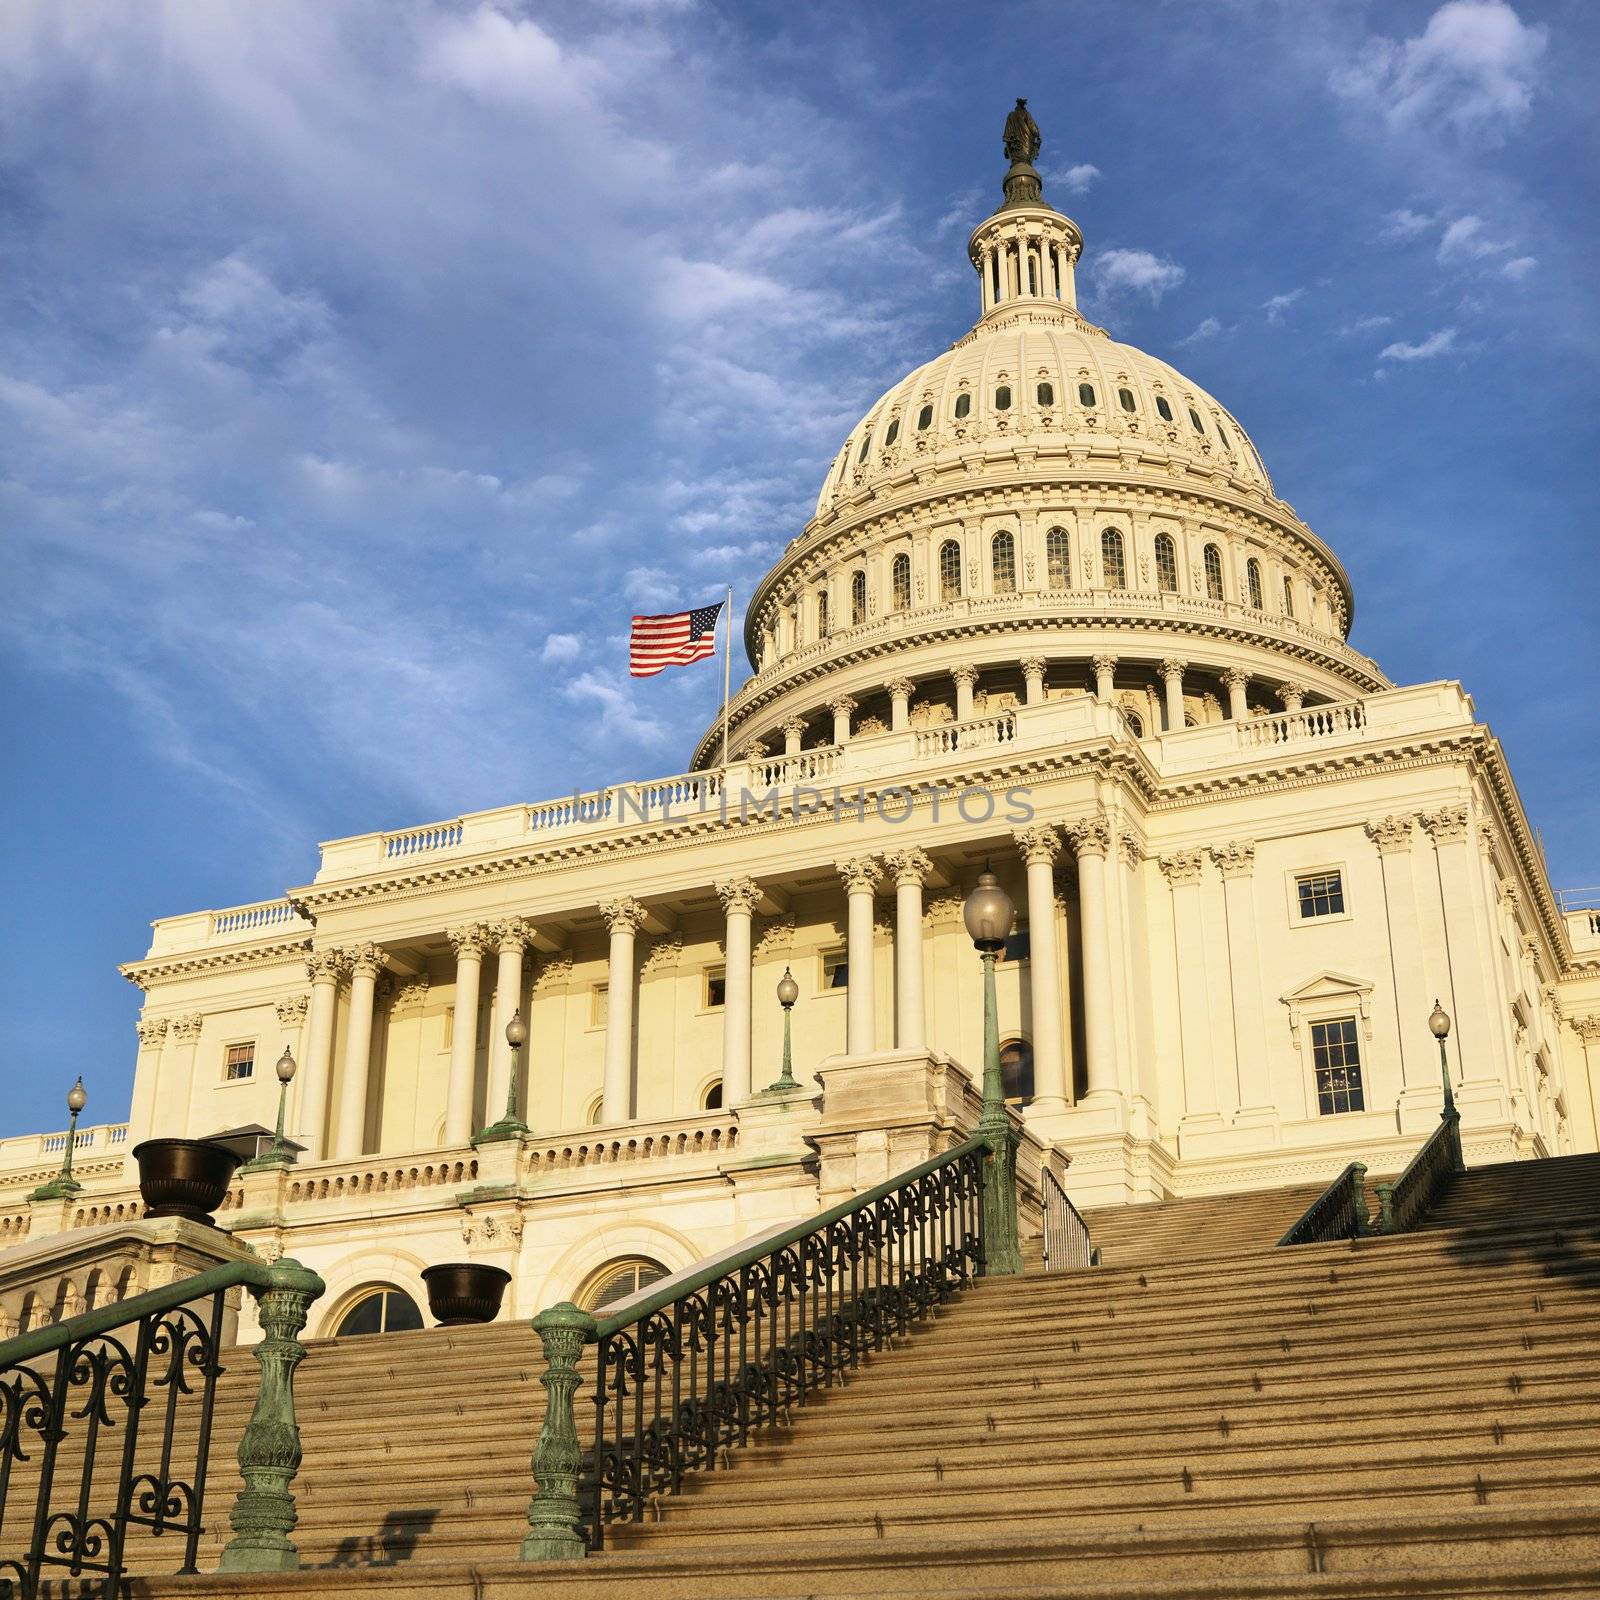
(1335, 720)
(977, 734)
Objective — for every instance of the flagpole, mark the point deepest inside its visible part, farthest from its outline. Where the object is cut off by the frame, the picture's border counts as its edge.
(727, 674)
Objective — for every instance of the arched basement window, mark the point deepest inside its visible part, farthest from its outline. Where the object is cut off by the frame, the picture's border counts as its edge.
(1111, 558)
(1166, 564)
(950, 570)
(382, 1310)
(1003, 563)
(900, 582)
(1016, 1070)
(1057, 563)
(1252, 578)
(1213, 560)
(858, 599)
(616, 1280)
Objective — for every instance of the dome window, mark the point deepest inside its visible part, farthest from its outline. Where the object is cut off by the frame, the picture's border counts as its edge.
(1166, 564)
(893, 433)
(1288, 597)
(1046, 394)
(1002, 397)
(950, 570)
(866, 445)
(924, 418)
(1126, 401)
(963, 406)
(1057, 559)
(1113, 560)
(1213, 561)
(1223, 436)
(1163, 410)
(1252, 578)
(900, 582)
(1085, 394)
(858, 599)
(822, 613)
(1135, 725)
(1199, 426)
(1003, 563)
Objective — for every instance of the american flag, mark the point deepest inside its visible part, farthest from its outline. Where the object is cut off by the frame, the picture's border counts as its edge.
(674, 641)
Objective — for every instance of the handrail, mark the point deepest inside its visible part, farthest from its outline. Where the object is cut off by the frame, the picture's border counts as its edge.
(1339, 1212)
(103, 1376)
(688, 1369)
(1066, 1235)
(1405, 1202)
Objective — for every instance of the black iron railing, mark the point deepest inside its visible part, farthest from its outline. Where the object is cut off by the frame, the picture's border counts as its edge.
(1405, 1202)
(688, 1373)
(1067, 1246)
(1339, 1212)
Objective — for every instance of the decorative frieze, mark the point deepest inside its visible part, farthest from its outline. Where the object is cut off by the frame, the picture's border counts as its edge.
(489, 1230)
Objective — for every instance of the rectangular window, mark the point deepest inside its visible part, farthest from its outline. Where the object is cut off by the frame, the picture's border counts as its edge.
(1018, 947)
(1337, 1062)
(597, 1004)
(239, 1062)
(835, 970)
(716, 990)
(1320, 894)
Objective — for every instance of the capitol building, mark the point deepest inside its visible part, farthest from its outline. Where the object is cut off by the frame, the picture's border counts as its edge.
(1050, 616)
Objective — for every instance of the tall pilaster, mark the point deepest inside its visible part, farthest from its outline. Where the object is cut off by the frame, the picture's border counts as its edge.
(185, 1036)
(910, 870)
(1419, 1062)
(511, 937)
(469, 944)
(1091, 841)
(861, 876)
(146, 1080)
(1471, 980)
(738, 897)
(1183, 869)
(624, 918)
(292, 1011)
(325, 968)
(1039, 846)
(350, 1127)
(1236, 862)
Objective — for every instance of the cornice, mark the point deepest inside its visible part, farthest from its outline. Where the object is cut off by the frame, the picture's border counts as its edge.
(160, 969)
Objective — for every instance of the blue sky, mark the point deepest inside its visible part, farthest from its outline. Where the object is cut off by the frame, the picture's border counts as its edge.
(365, 363)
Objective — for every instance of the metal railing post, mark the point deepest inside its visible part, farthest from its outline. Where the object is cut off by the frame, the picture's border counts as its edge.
(553, 1524)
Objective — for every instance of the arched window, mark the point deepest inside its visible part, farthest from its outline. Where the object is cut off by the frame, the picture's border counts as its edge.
(1222, 434)
(616, 1280)
(1125, 400)
(382, 1309)
(950, 570)
(1002, 397)
(1003, 563)
(1288, 597)
(1166, 564)
(924, 418)
(1163, 410)
(1135, 722)
(1016, 1070)
(1057, 559)
(711, 1100)
(822, 613)
(597, 1109)
(1045, 394)
(1199, 426)
(1111, 559)
(1213, 559)
(1252, 578)
(1085, 394)
(963, 405)
(900, 582)
(858, 599)
(866, 445)
(893, 433)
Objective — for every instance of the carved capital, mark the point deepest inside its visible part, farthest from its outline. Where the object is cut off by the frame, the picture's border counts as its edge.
(291, 1009)
(327, 966)
(1235, 858)
(553, 971)
(186, 1029)
(411, 995)
(1236, 678)
(1390, 833)
(738, 895)
(1291, 695)
(755, 750)
(475, 939)
(1587, 1028)
(1033, 666)
(1038, 845)
(1183, 866)
(860, 874)
(665, 951)
(908, 866)
(776, 935)
(901, 688)
(152, 1030)
(624, 915)
(964, 675)
(1091, 836)
(1103, 666)
(1132, 847)
(943, 909)
(511, 935)
(367, 960)
(1446, 824)
(1173, 667)
(842, 706)
(795, 728)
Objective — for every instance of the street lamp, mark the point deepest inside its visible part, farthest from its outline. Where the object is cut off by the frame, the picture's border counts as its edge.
(989, 913)
(510, 1126)
(788, 993)
(1439, 1024)
(64, 1184)
(279, 1153)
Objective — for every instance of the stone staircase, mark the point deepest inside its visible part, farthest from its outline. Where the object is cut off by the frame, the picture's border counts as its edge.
(1202, 1416)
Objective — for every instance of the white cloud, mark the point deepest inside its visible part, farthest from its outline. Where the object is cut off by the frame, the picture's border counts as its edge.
(1208, 329)
(1406, 224)
(1364, 325)
(561, 647)
(1465, 240)
(1436, 344)
(1076, 180)
(1475, 66)
(1279, 303)
(619, 717)
(1520, 268)
(1137, 272)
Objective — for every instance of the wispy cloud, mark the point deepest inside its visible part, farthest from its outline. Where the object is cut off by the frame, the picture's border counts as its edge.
(1519, 269)
(1466, 239)
(1436, 344)
(1075, 180)
(1279, 303)
(1406, 224)
(1208, 329)
(1135, 272)
(1364, 325)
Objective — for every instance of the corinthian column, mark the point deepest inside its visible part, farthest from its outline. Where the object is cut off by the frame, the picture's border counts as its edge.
(966, 678)
(511, 936)
(146, 1080)
(469, 944)
(624, 918)
(860, 879)
(1172, 671)
(910, 869)
(841, 709)
(900, 693)
(1237, 681)
(1236, 861)
(794, 730)
(1039, 847)
(738, 897)
(1105, 669)
(324, 968)
(1091, 839)
(1033, 680)
(350, 1129)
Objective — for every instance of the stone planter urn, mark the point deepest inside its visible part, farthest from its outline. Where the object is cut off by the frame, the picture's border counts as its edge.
(460, 1292)
(184, 1177)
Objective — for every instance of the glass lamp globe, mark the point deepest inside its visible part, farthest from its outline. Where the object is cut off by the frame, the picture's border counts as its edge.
(516, 1032)
(286, 1066)
(788, 989)
(1439, 1021)
(77, 1099)
(988, 912)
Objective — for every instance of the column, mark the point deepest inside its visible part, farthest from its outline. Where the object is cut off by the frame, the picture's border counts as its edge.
(986, 275)
(624, 918)
(324, 968)
(900, 692)
(841, 709)
(146, 1080)
(1419, 1059)
(860, 879)
(910, 869)
(738, 897)
(794, 730)
(1183, 869)
(1039, 847)
(350, 1128)
(292, 1010)
(1172, 671)
(966, 678)
(1105, 668)
(1293, 695)
(511, 936)
(1033, 679)
(1237, 681)
(1091, 839)
(1472, 1040)
(1236, 861)
(185, 1034)
(1587, 1029)
(469, 944)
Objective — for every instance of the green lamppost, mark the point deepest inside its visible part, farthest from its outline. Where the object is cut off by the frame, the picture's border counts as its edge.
(510, 1126)
(1439, 1023)
(64, 1184)
(989, 914)
(788, 993)
(280, 1153)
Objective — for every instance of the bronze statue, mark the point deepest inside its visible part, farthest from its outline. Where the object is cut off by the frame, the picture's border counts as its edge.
(1022, 139)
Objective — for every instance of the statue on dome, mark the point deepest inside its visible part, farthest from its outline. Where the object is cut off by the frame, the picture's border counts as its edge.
(1022, 139)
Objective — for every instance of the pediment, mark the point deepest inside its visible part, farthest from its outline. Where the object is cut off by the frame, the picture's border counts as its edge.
(1328, 986)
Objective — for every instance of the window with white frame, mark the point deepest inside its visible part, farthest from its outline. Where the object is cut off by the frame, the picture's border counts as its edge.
(1111, 558)
(900, 582)
(239, 1062)
(1166, 564)
(1003, 563)
(949, 570)
(1336, 1064)
(1320, 894)
(1057, 552)
(716, 988)
(835, 970)
(597, 1004)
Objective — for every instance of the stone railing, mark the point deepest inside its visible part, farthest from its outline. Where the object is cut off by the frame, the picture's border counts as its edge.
(104, 1136)
(31, 1152)
(416, 841)
(709, 1134)
(381, 1175)
(261, 917)
(977, 734)
(201, 930)
(1313, 722)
